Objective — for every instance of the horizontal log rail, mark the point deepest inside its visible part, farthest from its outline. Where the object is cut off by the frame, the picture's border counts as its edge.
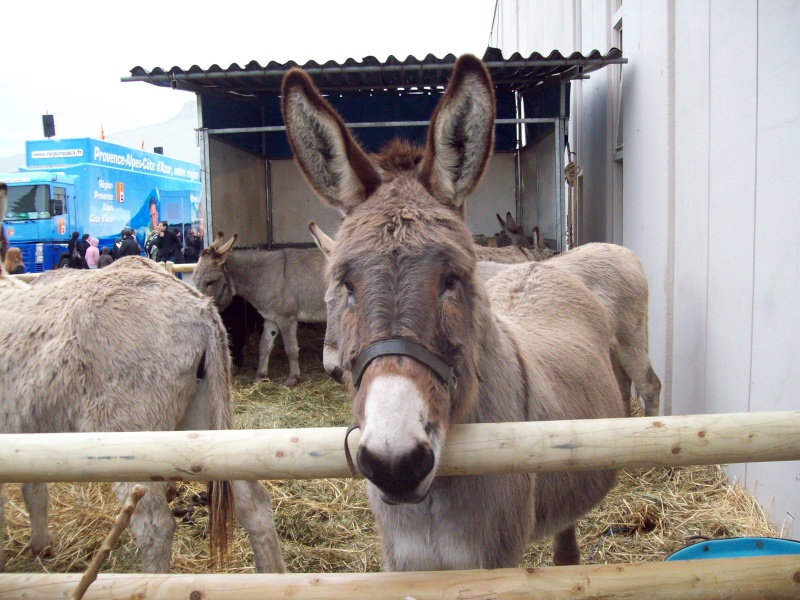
(774, 577)
(472, 449)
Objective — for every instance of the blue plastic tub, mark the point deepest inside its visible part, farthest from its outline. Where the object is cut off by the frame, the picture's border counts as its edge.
(737, 548)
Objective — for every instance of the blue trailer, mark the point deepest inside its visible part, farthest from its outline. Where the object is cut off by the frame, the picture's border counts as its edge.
(92, 186)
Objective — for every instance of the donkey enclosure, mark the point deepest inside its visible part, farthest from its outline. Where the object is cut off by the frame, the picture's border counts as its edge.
(325, 525)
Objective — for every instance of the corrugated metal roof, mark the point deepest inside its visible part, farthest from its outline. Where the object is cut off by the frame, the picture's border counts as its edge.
(515, 72)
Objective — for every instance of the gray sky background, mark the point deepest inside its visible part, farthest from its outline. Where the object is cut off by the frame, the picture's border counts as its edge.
(67, 58)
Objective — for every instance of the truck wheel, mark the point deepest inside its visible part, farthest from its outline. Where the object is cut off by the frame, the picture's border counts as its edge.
(64, 262)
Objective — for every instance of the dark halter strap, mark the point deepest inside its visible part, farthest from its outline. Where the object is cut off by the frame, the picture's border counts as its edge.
(401, 347)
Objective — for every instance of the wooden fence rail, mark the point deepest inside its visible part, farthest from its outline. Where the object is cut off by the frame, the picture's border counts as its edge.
(472, 449)
(763, 577)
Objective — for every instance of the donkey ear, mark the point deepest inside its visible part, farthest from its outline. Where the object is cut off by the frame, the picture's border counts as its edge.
(323, 241)
(223, 250)
(461, 134)
(331, 160)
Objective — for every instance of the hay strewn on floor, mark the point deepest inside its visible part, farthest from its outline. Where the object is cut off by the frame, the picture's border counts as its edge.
(326, 526)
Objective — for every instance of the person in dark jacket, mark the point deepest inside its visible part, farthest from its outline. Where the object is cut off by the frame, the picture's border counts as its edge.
(194, 246)
(105, 258)
(168, 244)
(126, 245)
(73, 252)
(83, 246)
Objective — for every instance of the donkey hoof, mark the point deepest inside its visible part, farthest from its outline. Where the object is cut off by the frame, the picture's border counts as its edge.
(292, 381)
(44, 550)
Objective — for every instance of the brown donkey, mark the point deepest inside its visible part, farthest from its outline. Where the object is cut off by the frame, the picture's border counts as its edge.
(425, 344)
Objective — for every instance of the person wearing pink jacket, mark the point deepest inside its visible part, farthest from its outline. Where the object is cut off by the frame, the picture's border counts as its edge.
(92, 253)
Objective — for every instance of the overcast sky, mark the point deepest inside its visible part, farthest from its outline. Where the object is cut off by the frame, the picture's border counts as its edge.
(67, 58)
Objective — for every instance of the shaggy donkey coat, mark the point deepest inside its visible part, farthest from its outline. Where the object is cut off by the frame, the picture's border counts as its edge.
(533, 344)
(149, 354)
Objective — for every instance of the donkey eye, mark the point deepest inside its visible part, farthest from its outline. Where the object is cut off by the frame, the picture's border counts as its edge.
(351, 291)
(450, 282)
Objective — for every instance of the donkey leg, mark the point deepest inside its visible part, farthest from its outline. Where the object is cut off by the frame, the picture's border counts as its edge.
(623, 381)
(37, 501)
(152, 525)
(289, 333)
(636, 362)
(254, 513)
(565, 548)
(265, 347)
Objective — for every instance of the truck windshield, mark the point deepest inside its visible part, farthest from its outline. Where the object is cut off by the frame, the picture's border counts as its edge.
(28, 202)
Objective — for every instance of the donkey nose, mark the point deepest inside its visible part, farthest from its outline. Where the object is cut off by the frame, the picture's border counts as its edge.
(397, 476)
(337, 375)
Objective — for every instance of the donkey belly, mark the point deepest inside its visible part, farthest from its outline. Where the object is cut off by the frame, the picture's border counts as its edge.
(469, 522)
(563, 498)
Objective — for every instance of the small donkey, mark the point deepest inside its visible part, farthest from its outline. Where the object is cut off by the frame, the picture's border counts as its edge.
(285, 286)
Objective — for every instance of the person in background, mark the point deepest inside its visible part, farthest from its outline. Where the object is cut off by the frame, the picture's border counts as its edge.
(105, 258)
(73, 251)
(13, 263)
(92, 253)
(129, 247)
(169, 246)
(194, 246)
(83, 246)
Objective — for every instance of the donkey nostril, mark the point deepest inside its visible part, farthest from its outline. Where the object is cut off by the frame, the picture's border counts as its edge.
(397, 475)
(337, 375)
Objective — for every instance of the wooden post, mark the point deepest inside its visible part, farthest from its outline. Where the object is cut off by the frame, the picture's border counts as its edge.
(773, 578)
(472, 449)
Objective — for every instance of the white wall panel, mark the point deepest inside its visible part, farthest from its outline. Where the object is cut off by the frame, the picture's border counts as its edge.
(294, 204)
(690, 302)
(775, 381)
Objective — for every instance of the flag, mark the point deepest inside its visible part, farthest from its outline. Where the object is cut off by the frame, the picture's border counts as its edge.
(102, 133)
(142, 141)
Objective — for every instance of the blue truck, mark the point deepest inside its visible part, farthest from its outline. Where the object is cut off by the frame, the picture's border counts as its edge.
(95, 187)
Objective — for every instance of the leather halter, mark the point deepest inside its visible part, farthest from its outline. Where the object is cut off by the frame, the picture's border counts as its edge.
(401, 347)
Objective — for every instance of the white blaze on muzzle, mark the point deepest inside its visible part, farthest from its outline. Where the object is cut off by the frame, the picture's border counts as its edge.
(395, 415)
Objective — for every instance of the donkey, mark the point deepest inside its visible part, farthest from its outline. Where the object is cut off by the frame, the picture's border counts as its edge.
(615, 275)
(66, 366)
(425, 344)
(285, 286)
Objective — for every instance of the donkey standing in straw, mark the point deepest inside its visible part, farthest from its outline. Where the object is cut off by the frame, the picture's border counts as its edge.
(64, 368)
(285, 286)
(425, 344)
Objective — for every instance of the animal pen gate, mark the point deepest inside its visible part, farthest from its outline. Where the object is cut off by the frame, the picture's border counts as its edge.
(252, 187)
(472, 449)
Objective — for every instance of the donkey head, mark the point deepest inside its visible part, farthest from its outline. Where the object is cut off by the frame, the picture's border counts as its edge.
(402, 295)
(211, 275)
(330, 347)
(514, 231)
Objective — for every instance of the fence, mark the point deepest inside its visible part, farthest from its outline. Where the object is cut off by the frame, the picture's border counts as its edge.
(480, 448)
(472, 449)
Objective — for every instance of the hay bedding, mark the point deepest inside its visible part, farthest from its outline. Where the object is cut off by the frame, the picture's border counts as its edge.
(326, 526)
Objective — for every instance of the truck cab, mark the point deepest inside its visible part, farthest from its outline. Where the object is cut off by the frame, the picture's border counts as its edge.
(39, 217)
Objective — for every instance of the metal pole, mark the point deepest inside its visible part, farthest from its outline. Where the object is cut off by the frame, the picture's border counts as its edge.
(273, 128)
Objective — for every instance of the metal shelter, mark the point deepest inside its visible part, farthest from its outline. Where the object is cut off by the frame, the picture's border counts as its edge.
(383, 99)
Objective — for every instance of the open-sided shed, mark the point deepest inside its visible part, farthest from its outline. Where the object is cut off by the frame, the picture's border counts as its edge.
(252, 187)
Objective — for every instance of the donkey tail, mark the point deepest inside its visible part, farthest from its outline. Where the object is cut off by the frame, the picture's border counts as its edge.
(215, 385)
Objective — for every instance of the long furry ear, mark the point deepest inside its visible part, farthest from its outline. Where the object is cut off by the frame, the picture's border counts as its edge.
(331, 160)
(324, 241)
(461, 134)
(223, 250)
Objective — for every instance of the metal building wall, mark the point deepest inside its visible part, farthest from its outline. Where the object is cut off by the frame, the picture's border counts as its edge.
(238, 179)
(709, 202)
